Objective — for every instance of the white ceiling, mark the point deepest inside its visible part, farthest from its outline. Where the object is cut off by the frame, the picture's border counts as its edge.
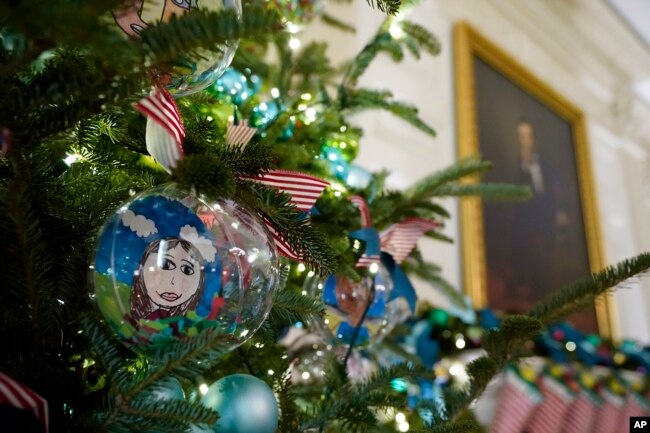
(636, 14)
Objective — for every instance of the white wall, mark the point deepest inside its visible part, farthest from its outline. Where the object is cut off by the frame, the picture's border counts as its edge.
(578, 47)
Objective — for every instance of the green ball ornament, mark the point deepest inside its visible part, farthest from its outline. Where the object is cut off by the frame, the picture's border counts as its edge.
(347, 143)
(439, 318)
(245, 404)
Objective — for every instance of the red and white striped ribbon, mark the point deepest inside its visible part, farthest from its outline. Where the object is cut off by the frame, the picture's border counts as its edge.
(399, 239)
(304, 191)
(517, 399)
(165, 130)
(365, 261)
(303, 188)
(17, 395)
(239, 134)
(360, 202)
(549, 416)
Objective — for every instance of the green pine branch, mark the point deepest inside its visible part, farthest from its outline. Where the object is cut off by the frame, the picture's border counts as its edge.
(578, 295)
(290, 307)
(469, 166)
(390, 7)
(506, 344)
(294, 229)
(183, 37)
(487, 191)
(364, 99)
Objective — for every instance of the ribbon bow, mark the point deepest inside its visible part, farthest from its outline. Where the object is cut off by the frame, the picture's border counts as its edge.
(397, 242)
(164, 138)
(165, 131)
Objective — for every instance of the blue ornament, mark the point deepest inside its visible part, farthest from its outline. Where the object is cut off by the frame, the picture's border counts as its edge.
(339, 167)
(245, 404)
(358, 177)
(264, 114)
(232, 85)
(168, 389)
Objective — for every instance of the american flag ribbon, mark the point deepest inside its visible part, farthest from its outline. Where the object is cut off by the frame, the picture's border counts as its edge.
(17, 395)
(165, 130)
(517, 400)
(399, 239)
(549, 416)
(304, 191)
(583, 411)
(239, 133)
(360, 203)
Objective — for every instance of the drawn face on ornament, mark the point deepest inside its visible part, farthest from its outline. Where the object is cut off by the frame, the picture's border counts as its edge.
(172, 276)
(137, 15)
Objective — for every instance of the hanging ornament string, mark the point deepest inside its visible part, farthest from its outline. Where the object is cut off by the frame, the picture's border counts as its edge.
(371, 254)
(165, 130)
(19, 396)
(397, 242)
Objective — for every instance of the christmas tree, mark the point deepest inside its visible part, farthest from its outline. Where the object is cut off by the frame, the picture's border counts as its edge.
(87, 182)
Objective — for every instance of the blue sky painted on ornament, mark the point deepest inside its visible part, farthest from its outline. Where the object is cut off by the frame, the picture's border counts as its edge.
(150, 218)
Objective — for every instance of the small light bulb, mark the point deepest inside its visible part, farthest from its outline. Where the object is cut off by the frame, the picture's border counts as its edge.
(294, 43)
(203, 389)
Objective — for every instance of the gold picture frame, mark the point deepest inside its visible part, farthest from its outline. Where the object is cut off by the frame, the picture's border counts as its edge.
(474, 54)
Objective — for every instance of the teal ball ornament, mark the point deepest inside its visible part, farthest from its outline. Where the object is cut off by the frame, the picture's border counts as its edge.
(245, 404)
(264, 114)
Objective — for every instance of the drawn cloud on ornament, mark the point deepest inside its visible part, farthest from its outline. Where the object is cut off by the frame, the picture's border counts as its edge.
(203, 244)
(141, 225)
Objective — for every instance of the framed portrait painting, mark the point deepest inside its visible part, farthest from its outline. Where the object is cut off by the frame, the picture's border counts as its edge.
(515, 253)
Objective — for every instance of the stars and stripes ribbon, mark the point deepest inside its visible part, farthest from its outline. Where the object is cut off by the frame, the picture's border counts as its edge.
(397, 242)
(550, 414)
(165, 131)
(400, 239)
(371, 253)
(304, 191)
(239, 133)
(17, 395)
(517, 399)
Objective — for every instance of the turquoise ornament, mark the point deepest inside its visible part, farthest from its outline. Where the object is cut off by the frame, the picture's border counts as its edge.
(358, 177)
(264, 114)
(245, 404)
(339, 168)
(168, 389)
(235, 87)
